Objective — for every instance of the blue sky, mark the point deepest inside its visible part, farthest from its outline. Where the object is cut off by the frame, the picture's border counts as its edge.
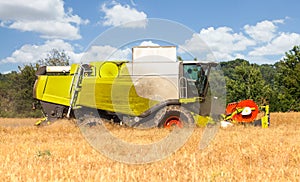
(259, 31)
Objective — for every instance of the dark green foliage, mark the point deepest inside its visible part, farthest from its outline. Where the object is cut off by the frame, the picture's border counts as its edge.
(228, 67)
(16, 88)
(16, 93)
(245, 81)
(277, 85)
(55, 58)
(5, 94)
(268, 72)
(287, 81)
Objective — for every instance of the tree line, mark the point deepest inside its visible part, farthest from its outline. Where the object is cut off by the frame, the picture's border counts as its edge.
(16, 88)
(275, 84)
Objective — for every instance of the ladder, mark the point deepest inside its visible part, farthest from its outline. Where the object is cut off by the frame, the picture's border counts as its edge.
(75, 87)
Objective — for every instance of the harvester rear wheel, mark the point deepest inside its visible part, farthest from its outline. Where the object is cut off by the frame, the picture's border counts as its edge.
(175, 115)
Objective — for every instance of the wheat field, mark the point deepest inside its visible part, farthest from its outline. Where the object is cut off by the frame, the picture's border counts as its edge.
(59, 152)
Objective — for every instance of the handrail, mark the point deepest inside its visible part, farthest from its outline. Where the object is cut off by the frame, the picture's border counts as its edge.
(183, 87)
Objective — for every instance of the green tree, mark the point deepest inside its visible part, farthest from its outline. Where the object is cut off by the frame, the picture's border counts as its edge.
(22, 85)
(16, 93)
(179, 58)
(16, 87)
(55, 58)
(5, 94)
(246, 82)
(287, 81)
(229, 67)
(268, 72)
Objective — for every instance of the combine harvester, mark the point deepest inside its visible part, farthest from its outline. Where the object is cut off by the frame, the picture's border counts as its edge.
(153, 90)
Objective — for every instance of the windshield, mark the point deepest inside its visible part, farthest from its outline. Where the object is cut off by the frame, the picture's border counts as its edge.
(195, 74)
(192, 71)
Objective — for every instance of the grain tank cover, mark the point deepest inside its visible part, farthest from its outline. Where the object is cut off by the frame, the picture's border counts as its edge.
(154, 54)
(52, 69)
(58, 69)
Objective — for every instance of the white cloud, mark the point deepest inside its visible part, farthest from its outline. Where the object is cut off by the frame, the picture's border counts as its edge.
(238, 55)
(101, 53)
(49, 29)
(263, 31)
(148, 43)
(259, 43)
(31, 9)
(47, 17)
(222, 41)
(123, 15)
(32, 53)
(282, 43)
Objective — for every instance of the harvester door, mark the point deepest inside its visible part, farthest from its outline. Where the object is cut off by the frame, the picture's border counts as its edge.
(195, 76)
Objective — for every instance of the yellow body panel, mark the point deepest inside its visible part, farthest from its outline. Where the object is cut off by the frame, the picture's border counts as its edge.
(113, 93)
(265, 119)
(103, 89)
(201, 120)
(265, 122)
(39, 87)
(54, 89)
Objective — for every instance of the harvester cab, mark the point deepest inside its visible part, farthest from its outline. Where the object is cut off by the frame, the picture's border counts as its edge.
(153, 88)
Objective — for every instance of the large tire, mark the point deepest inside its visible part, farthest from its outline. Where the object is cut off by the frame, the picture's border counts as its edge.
(174, 115)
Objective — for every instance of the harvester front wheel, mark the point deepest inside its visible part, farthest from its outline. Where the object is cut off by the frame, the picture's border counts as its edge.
(175, 115)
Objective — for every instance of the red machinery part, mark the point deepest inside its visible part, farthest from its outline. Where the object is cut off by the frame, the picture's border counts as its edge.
(246, 118)
(239, 106)
(231, 108)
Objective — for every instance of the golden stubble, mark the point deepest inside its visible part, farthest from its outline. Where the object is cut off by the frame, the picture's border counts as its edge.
(59, 152)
